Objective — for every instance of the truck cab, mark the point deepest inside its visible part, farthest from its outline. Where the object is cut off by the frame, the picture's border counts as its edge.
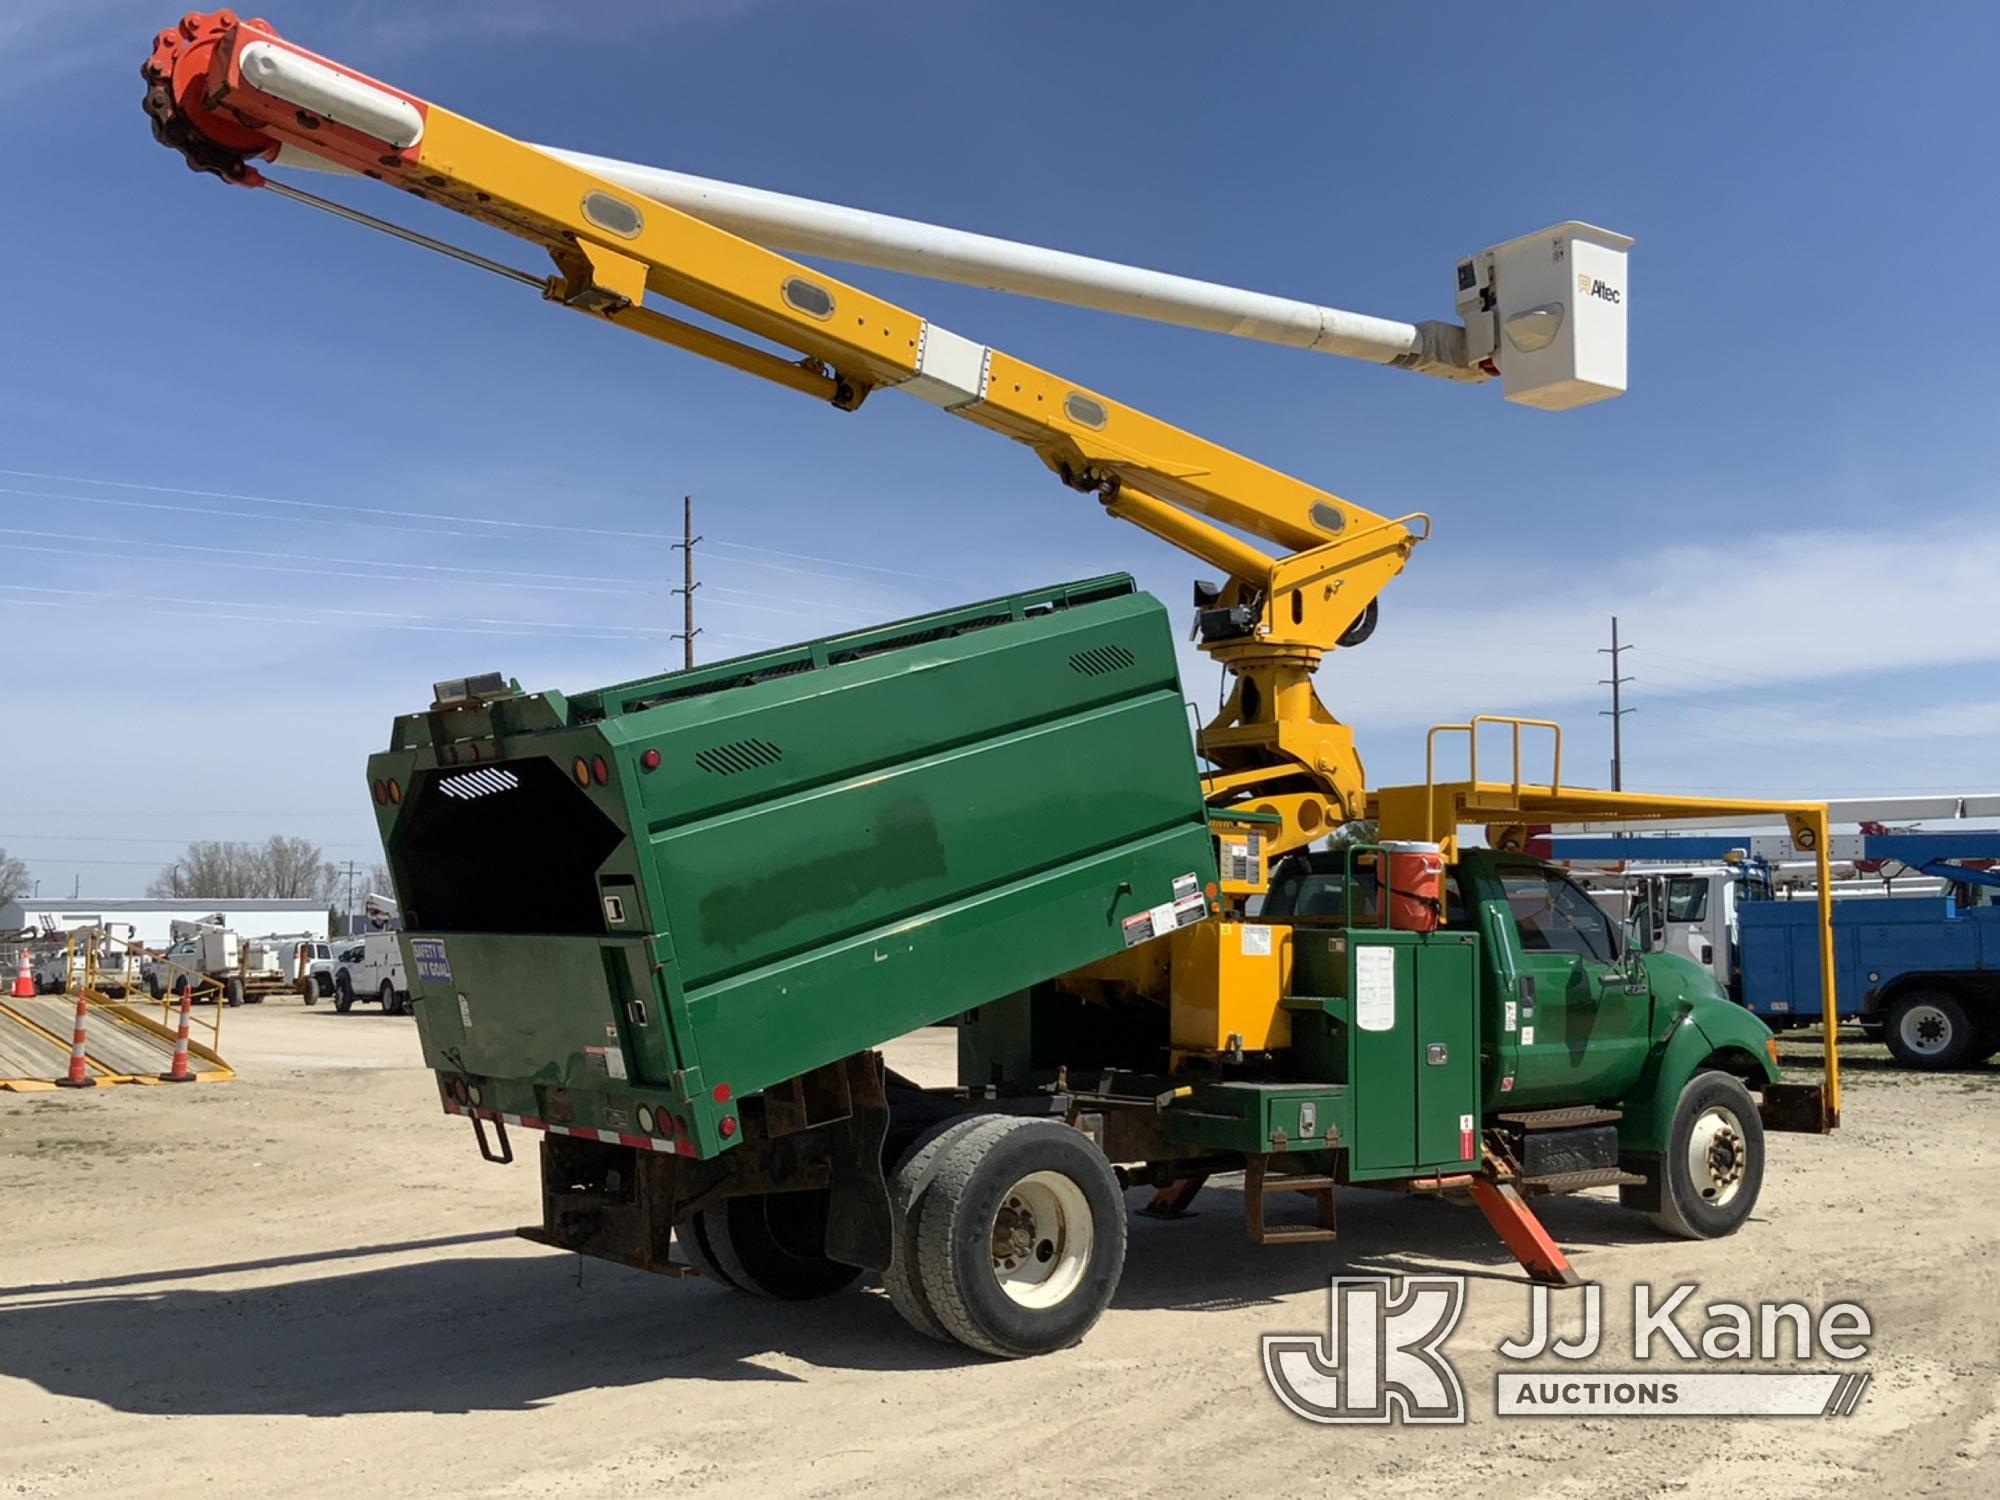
(1581, 1017)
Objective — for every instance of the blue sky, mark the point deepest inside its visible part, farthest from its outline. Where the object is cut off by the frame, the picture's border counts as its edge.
(267, 477)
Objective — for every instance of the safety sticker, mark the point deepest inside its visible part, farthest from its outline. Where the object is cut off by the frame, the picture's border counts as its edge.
(1256, 942)
(1242, 858)
(427, 953)
(1527, 1036)
(1513, 1016)
(1160, 920)
(1465, 1137)
(1186, 885)
(465, 1012)
(610, 1061)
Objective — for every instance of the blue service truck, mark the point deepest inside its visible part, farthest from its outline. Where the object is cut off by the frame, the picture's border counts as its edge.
(1922, 972)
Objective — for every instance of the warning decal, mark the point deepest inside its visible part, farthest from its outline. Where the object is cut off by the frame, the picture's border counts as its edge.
(427, 953)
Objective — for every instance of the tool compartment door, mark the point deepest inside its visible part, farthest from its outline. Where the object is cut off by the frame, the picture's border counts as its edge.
(1447, 1051)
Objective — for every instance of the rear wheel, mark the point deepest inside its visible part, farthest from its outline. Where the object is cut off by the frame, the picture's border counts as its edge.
(773, 1245)
(694, 1244)
(908, 1186)
(1714, 1161)
(343, 993)
(387, 996)
(1021, 1236)
(232, 991)
(1930, 1029)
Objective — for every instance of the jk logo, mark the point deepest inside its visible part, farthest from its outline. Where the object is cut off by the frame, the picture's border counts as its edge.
(1382, 1357)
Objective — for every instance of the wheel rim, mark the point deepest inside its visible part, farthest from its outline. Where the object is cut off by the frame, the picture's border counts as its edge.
(1041, 1239)
(1925, 1030)
(1717, 1156)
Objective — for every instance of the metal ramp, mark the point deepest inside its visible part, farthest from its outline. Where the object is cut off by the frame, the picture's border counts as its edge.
(120, 1045)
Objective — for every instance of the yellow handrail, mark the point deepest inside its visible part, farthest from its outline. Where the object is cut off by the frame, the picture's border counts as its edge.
(1470, 729)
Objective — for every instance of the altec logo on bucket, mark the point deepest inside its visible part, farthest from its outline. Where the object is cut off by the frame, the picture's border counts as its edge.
(1382, 1358)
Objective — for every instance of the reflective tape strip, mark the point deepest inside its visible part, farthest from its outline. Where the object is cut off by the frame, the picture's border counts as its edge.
(581, 1132)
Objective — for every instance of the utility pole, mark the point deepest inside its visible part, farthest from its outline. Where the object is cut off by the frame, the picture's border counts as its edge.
(1616, 713)
(685, 546)
(350, 898)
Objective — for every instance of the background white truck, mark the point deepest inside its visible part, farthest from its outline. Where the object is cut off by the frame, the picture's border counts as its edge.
(372, 969)
(248, 969)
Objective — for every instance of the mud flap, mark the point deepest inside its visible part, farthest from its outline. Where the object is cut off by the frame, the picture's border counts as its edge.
(860, 1227)
(1800, 1108)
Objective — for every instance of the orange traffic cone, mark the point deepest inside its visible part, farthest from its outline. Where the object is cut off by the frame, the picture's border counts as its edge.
(24, 979)
(179, 1072)
(78, 1076)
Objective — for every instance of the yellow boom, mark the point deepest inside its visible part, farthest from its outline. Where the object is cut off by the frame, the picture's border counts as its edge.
(229, 93)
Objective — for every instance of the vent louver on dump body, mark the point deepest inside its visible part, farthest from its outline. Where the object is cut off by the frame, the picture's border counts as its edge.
(738, 755)
(1099, 660)
(481, 783)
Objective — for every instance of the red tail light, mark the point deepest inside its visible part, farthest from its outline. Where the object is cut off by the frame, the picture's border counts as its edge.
(599, 771)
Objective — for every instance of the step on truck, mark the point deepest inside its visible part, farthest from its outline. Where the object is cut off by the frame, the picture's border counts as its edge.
(670, 924)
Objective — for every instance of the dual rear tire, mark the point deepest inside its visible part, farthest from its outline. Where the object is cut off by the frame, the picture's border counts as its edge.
(770, 1245)
(1009, 1237)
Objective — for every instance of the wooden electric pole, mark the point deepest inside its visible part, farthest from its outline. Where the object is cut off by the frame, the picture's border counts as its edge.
(1616, 713)
(685, 546)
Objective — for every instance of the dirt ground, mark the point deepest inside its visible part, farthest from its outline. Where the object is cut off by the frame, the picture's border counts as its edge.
(306, 1283)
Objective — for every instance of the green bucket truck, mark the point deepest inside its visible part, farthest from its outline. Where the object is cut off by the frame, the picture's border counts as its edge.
(669, 924)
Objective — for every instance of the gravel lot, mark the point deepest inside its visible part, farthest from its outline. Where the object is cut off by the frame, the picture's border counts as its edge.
(306, 1283)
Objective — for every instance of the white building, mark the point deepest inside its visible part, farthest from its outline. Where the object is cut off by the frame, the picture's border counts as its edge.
(152, 920)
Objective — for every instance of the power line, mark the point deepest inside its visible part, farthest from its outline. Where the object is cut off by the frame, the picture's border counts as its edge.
(1616, 713)
(501, 524)
(478, 577)
(246, 611)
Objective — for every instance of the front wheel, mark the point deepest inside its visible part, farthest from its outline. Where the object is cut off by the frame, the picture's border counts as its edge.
(1714, 1162)
(1021, 1237)
(1930, 1029)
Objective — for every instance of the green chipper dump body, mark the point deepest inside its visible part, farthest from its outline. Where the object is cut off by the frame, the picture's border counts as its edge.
(628, 910)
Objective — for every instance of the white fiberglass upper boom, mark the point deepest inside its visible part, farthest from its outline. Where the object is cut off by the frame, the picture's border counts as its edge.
(1545, 312)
